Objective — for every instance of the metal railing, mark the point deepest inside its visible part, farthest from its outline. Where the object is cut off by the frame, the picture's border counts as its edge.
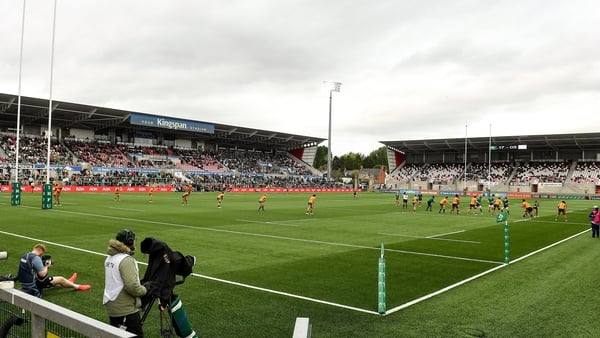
(40, 317)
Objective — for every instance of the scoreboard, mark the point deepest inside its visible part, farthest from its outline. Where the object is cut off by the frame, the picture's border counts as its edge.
(509, 147)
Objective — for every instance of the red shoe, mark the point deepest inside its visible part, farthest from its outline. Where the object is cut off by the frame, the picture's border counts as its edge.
(84, 287)
(73, 278)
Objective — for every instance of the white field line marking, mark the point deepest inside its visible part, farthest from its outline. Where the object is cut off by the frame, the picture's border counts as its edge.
(289, 295)
(127, 209)
(464, 281)
(268, 222)
(549, 246)
(430, 237)
(398, 308)
(54, 243)
(447, 233)
(444, 256)
(281, 293)
(272, 236)
(284, 238)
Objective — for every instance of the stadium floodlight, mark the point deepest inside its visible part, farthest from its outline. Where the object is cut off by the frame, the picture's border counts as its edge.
(331, 87)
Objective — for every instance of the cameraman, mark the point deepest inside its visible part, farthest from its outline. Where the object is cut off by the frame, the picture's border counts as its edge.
(33, 274)
(122, 289)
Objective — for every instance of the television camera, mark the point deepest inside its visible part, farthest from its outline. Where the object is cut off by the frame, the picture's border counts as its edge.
(164, 265)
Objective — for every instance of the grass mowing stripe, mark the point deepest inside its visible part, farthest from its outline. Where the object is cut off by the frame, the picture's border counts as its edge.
(440, 291)
(302, 240)
(549, 246)
(450, 287)
(290, 295)
(443, 256)
(275, 237)
(53, 243)
(281, 293)
(302, 269)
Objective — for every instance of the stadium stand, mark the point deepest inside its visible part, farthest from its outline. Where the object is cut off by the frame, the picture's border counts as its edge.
(586, 172)
(96, 146)
(104, 147)
(553, 164)
(541, 172)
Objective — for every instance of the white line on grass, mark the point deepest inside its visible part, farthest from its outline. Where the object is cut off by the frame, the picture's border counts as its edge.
(268, 222)
(281, 293)
(395, 309)
(289, 295)
(260, 235)
(127, 209)
(447, 233)
(272, 236)
(53, 243)
(464, 281)
(444, 256)
(430, 237)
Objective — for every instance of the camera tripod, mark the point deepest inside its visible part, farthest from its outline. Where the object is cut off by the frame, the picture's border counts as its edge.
(166, 331)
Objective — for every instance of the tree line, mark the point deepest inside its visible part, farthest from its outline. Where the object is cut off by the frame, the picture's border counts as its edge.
(350, 161)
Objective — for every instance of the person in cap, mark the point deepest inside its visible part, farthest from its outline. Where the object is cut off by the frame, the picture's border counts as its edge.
(595, 221)
(122, 289)
(34, 275)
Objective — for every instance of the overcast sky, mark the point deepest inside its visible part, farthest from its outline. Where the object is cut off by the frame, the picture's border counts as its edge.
(409, 69)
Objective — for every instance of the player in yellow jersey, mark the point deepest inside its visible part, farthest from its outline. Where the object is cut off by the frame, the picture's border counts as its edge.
(498, 203)
(261, 202)
(473, 205)
(56, 190)
(220, 197)
(187, 190)
(443, 205)
(455, 204)
(562, 210)
(150, 195)
(311, 203)
(527, 209)
(117, 193)
(415, 202)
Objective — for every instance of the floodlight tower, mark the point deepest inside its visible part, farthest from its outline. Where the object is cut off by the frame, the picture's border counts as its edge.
(331, 87)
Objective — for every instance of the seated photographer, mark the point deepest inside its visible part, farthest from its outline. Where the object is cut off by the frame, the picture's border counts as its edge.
(33, 273)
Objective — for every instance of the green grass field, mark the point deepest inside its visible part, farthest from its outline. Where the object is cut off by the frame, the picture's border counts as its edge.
(258, 271)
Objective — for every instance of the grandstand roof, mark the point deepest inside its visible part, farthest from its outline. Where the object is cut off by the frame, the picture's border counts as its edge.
(75, 115)
(557, 142)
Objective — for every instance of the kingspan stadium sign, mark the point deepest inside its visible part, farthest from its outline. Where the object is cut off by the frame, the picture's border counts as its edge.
(173, 124)
(170, 124)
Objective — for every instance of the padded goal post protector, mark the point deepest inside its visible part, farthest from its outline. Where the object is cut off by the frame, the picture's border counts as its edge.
(381, 306)
(15, 195)
(182, 325)
(47, 196)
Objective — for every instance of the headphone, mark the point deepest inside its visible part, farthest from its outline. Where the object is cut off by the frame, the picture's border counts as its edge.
(126, 236)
